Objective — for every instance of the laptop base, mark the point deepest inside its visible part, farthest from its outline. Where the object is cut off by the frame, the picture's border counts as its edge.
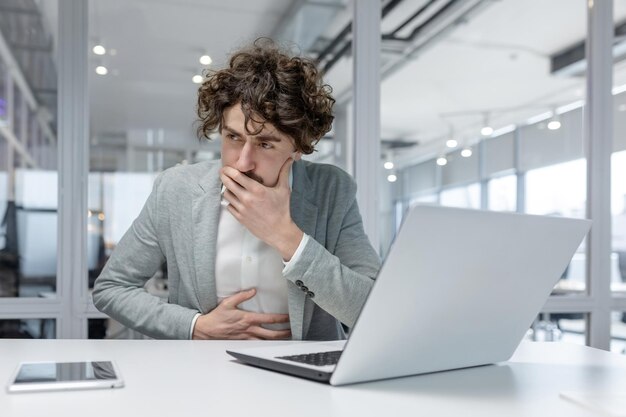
(294, 370)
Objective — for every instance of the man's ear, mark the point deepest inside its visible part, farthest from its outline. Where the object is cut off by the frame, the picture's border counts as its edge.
(296, 156)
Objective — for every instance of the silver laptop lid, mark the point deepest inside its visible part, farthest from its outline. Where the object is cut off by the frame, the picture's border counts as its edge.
(459, 288)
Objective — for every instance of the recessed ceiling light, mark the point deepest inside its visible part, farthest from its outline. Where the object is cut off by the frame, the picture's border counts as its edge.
(392, 178)
(466, 153)
(441, 161)
(554, 125)
(388, 165)
(101, 70)
(452, 143)
(99, 50)
(486, 131)
(197, 79)
(205, 60)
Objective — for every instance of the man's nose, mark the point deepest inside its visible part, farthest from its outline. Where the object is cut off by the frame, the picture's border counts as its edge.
(245, 162)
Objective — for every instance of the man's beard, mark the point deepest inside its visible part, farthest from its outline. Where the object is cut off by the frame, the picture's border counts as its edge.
(254, 177)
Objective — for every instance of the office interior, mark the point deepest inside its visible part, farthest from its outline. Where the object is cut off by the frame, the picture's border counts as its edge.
(482, 104)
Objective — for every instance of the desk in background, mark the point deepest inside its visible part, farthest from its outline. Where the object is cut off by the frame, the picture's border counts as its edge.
(196, 378)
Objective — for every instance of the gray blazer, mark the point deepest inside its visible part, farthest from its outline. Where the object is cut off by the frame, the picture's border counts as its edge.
(178, 227)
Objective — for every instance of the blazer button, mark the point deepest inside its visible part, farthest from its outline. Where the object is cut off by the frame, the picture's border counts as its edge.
(310, 294)
(304, 288)
(299, 283)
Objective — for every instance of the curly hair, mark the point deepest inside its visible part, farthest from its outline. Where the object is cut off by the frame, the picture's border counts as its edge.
(273, 87)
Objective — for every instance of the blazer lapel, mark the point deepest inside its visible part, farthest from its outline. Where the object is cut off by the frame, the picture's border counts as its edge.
(205, 214)
(304, 214)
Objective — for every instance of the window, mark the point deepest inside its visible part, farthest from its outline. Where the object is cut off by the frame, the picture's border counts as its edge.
(467, 196)
(557, 190)
(502, 193)
(618, 212)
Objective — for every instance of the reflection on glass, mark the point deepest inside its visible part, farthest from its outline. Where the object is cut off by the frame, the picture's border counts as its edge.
(618, 221)
(503, 193)
(64, 372)
(28, 329)
(465, 197)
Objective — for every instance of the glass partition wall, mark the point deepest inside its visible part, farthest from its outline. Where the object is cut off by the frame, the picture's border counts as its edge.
(491, 115)
(476, 110)
(29, 296)
(144, 121)
(618, 194)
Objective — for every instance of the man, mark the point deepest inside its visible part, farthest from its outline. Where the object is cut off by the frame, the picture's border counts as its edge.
(262, 245)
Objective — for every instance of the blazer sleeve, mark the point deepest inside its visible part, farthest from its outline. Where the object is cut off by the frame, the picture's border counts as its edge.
(119, 290)
(340, 280)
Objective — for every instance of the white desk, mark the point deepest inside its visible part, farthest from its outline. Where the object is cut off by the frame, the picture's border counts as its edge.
(184, 378)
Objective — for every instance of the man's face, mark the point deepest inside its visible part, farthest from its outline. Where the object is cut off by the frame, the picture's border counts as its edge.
(259, 156)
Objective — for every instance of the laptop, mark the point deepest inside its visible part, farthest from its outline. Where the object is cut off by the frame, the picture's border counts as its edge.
(459, 288)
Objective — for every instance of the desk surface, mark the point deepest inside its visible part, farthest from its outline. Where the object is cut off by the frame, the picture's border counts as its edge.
(193, 378)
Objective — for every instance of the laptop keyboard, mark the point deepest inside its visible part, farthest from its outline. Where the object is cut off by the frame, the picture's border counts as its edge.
(316, 359)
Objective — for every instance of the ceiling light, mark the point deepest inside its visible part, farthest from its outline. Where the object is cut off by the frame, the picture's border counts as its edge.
(441, 161)
(388, 165)
(197, 79)
(554, 125)
(486, 131)
(452, 143)
(101, 70)
(555, 120)
(205, 60)
(392, 178)
(622, 107)
(99, 50)
(466, 152)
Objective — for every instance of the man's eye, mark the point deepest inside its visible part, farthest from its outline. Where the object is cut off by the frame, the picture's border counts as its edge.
(231, 137)
(266, 145)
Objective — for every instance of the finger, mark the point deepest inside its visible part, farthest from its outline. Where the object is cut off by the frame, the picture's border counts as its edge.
(283, 176)
(236, 214)
(240, 178)
(264, 333)
(232, 185)
(267, 318)
(243, 336)
(234, 300)
(232, 199)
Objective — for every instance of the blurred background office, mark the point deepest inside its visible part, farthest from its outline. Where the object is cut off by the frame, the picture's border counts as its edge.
(482, 105)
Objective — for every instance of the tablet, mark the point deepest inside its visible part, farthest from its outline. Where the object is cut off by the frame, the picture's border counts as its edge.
(59, 376)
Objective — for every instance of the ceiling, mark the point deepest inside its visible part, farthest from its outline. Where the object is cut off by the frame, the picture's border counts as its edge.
(494, 62)
(157, 45)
